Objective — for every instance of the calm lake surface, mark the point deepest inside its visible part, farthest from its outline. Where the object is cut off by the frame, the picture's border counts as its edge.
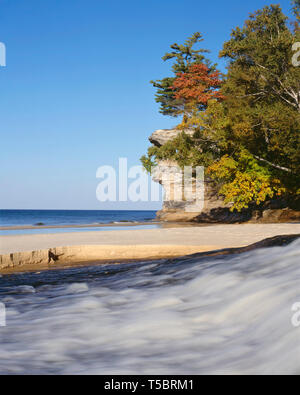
(53, 218)
(71, 217)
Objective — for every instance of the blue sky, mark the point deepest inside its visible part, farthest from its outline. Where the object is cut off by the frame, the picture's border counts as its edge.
(76, 92)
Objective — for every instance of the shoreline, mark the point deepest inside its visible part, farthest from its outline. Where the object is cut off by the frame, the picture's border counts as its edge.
(19, 252)
(100, 225)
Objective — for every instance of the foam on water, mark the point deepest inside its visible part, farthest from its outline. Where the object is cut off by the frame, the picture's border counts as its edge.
(194, 316)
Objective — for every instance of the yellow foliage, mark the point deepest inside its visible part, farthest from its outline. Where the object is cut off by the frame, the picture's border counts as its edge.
(241, 187)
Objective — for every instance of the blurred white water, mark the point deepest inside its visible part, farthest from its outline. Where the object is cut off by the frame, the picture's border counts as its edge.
(215, 315)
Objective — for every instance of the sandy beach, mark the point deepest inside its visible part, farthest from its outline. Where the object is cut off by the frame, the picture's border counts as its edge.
(43, 250)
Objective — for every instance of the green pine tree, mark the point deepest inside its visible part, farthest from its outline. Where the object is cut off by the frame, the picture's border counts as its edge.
(184, 56)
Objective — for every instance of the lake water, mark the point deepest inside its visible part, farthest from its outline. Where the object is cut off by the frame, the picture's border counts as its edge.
(53, 218)
(72, 217)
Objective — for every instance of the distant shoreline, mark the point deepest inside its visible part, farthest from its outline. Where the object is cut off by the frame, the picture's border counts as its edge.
(100, 225)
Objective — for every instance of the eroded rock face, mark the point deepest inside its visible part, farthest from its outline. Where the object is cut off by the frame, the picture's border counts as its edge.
(205, 205)
(183, 202)
(162, 136)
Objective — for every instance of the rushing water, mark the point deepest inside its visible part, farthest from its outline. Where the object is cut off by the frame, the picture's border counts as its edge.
(229, 314)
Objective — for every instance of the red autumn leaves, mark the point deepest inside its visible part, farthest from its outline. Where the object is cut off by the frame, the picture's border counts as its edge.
(198, 85)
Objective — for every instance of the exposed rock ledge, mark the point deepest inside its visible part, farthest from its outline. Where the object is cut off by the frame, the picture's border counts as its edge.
(48, 258)
(162, 136)
(62, 256)
(214, 208)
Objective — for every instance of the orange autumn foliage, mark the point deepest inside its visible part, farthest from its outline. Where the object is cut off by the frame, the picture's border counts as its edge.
(198, 85)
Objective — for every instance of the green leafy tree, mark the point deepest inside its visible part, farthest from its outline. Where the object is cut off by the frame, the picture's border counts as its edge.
(296, 8)
(262, 91)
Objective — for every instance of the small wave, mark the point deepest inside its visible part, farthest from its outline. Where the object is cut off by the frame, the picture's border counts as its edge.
(77, 288)
(21, 289)
(125, 222)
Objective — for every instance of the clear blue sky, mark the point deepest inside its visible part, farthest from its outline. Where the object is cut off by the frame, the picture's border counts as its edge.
(76, 92)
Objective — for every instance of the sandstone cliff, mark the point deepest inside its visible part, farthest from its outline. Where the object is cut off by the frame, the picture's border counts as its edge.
(213, 208)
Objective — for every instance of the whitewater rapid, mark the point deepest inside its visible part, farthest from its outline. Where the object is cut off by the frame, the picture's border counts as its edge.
(217, 315)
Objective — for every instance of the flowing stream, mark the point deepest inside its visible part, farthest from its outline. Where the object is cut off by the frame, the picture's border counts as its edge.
(226, 314)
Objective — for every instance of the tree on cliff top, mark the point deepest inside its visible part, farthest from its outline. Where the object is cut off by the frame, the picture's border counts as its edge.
(250, 141)
(185, 55)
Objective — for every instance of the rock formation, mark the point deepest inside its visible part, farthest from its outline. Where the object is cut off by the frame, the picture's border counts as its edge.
(177, 206)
